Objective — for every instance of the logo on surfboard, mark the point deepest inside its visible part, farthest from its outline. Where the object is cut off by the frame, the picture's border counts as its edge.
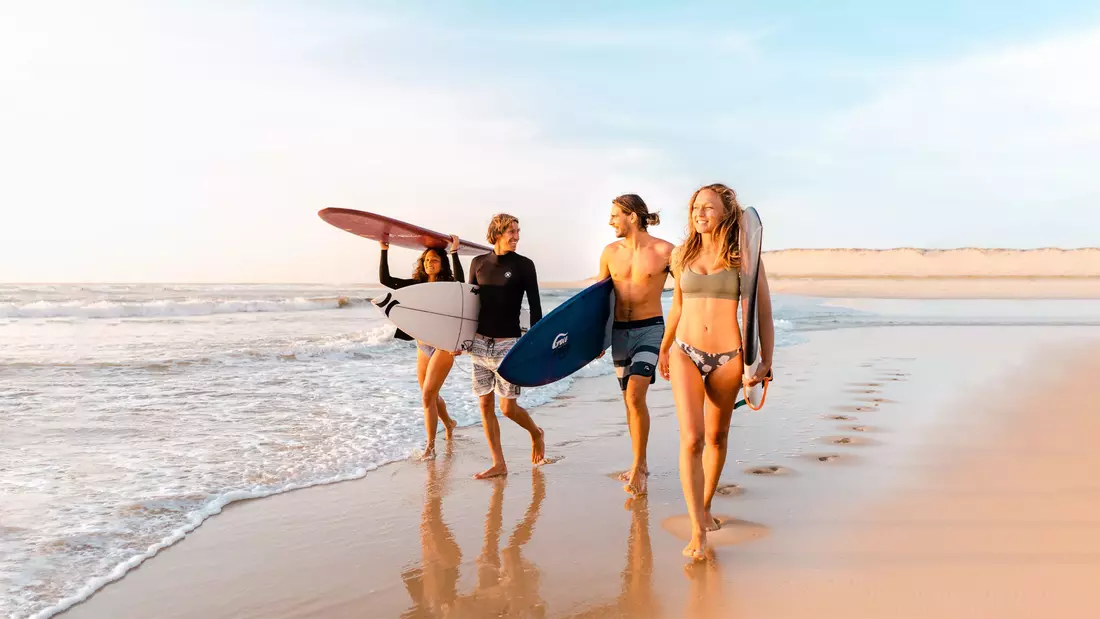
(386, 304)
(560, 345)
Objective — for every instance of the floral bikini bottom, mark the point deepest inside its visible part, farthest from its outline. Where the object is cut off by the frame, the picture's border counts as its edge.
(707, 362)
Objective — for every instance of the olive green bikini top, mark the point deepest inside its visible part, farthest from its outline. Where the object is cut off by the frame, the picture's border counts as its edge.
(718, 285)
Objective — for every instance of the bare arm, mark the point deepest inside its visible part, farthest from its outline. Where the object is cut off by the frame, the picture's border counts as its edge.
(767, 326)
(605, 270)
(670, 326)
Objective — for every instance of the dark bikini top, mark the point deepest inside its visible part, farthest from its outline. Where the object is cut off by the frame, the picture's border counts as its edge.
(718, 285)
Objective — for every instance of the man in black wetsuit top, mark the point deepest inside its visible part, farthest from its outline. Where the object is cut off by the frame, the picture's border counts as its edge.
(502, 278)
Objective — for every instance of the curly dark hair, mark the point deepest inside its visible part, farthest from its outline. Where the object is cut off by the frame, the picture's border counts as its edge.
(445, 273)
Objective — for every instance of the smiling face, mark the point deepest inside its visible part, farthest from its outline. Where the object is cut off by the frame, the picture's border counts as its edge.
(621, 221)
(707, 211)
(509, 239)
(503, 233)
(432, 264)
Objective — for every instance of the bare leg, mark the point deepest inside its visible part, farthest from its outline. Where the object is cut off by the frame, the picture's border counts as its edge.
(489, 421)
(449, 424)
(721, 389)
(688, 391)
(422, 361)
(439, 365)
(637, 417)
(518, 414)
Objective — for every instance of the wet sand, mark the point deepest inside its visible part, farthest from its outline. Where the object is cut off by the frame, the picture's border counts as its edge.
(966, 488)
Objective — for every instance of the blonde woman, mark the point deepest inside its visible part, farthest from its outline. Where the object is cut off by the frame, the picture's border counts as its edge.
(705, 368)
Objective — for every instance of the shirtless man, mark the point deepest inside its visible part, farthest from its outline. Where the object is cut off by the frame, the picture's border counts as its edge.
(638, 265)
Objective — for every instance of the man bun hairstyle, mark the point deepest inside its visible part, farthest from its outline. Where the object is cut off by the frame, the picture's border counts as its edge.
(633, 204)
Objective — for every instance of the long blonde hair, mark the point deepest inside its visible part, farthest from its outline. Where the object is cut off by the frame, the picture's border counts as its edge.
(727, 234)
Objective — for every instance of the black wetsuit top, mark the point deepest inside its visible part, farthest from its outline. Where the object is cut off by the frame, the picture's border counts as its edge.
(397, 283)
(502, 282)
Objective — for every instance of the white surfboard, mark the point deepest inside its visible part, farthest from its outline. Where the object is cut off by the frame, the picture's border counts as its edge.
(752, 233)
(440, 314)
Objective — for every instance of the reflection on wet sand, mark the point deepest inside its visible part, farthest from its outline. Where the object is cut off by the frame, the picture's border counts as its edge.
(707, 597)
(433, 585)
(508, 583)
(636, 598)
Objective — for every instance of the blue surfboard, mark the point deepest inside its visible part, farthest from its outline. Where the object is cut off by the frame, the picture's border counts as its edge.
(565, 340)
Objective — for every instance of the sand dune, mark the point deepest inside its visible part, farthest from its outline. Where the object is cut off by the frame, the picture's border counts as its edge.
(967, 262)
(928, 273)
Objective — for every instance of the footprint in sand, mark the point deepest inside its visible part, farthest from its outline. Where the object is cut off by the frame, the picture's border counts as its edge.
(770, 469)
(731, 530)
(861, 429)
(854, 409)
(839, 417)
(847, 441)
(827, 458)
(729, 490)
(862, 391)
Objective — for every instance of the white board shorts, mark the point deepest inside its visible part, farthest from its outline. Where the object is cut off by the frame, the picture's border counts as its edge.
(487, 353)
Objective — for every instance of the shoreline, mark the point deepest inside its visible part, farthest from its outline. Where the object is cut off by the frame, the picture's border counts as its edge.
(290, 555)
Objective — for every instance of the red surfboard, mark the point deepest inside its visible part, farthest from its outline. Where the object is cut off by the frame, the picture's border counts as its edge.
(381, 228)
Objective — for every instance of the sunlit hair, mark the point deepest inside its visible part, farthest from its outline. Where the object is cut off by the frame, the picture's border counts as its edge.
(499, 225)
(727, 234)
(633, 204)
(445, 274)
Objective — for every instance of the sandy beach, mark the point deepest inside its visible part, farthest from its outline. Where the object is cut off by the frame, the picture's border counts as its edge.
(895, 472)
(929, 274)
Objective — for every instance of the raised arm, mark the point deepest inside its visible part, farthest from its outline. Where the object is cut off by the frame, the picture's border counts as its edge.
(456, 264)
(384, 276)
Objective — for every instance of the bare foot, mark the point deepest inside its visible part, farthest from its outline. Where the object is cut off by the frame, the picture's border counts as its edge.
(450, 428)
(696, 550)
(636, 482)
(496, 470)
(710, 522)
(538, 448)
(429, 454)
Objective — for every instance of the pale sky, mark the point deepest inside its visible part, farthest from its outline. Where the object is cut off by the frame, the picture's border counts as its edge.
(191, 141)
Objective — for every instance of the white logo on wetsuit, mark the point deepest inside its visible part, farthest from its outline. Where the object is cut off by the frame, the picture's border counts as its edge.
(508, 274)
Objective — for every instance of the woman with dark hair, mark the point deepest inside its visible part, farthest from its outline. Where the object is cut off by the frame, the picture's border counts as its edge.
(432, 365)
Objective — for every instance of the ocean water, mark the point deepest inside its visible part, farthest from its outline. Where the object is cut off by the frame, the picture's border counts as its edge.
(131, 413)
